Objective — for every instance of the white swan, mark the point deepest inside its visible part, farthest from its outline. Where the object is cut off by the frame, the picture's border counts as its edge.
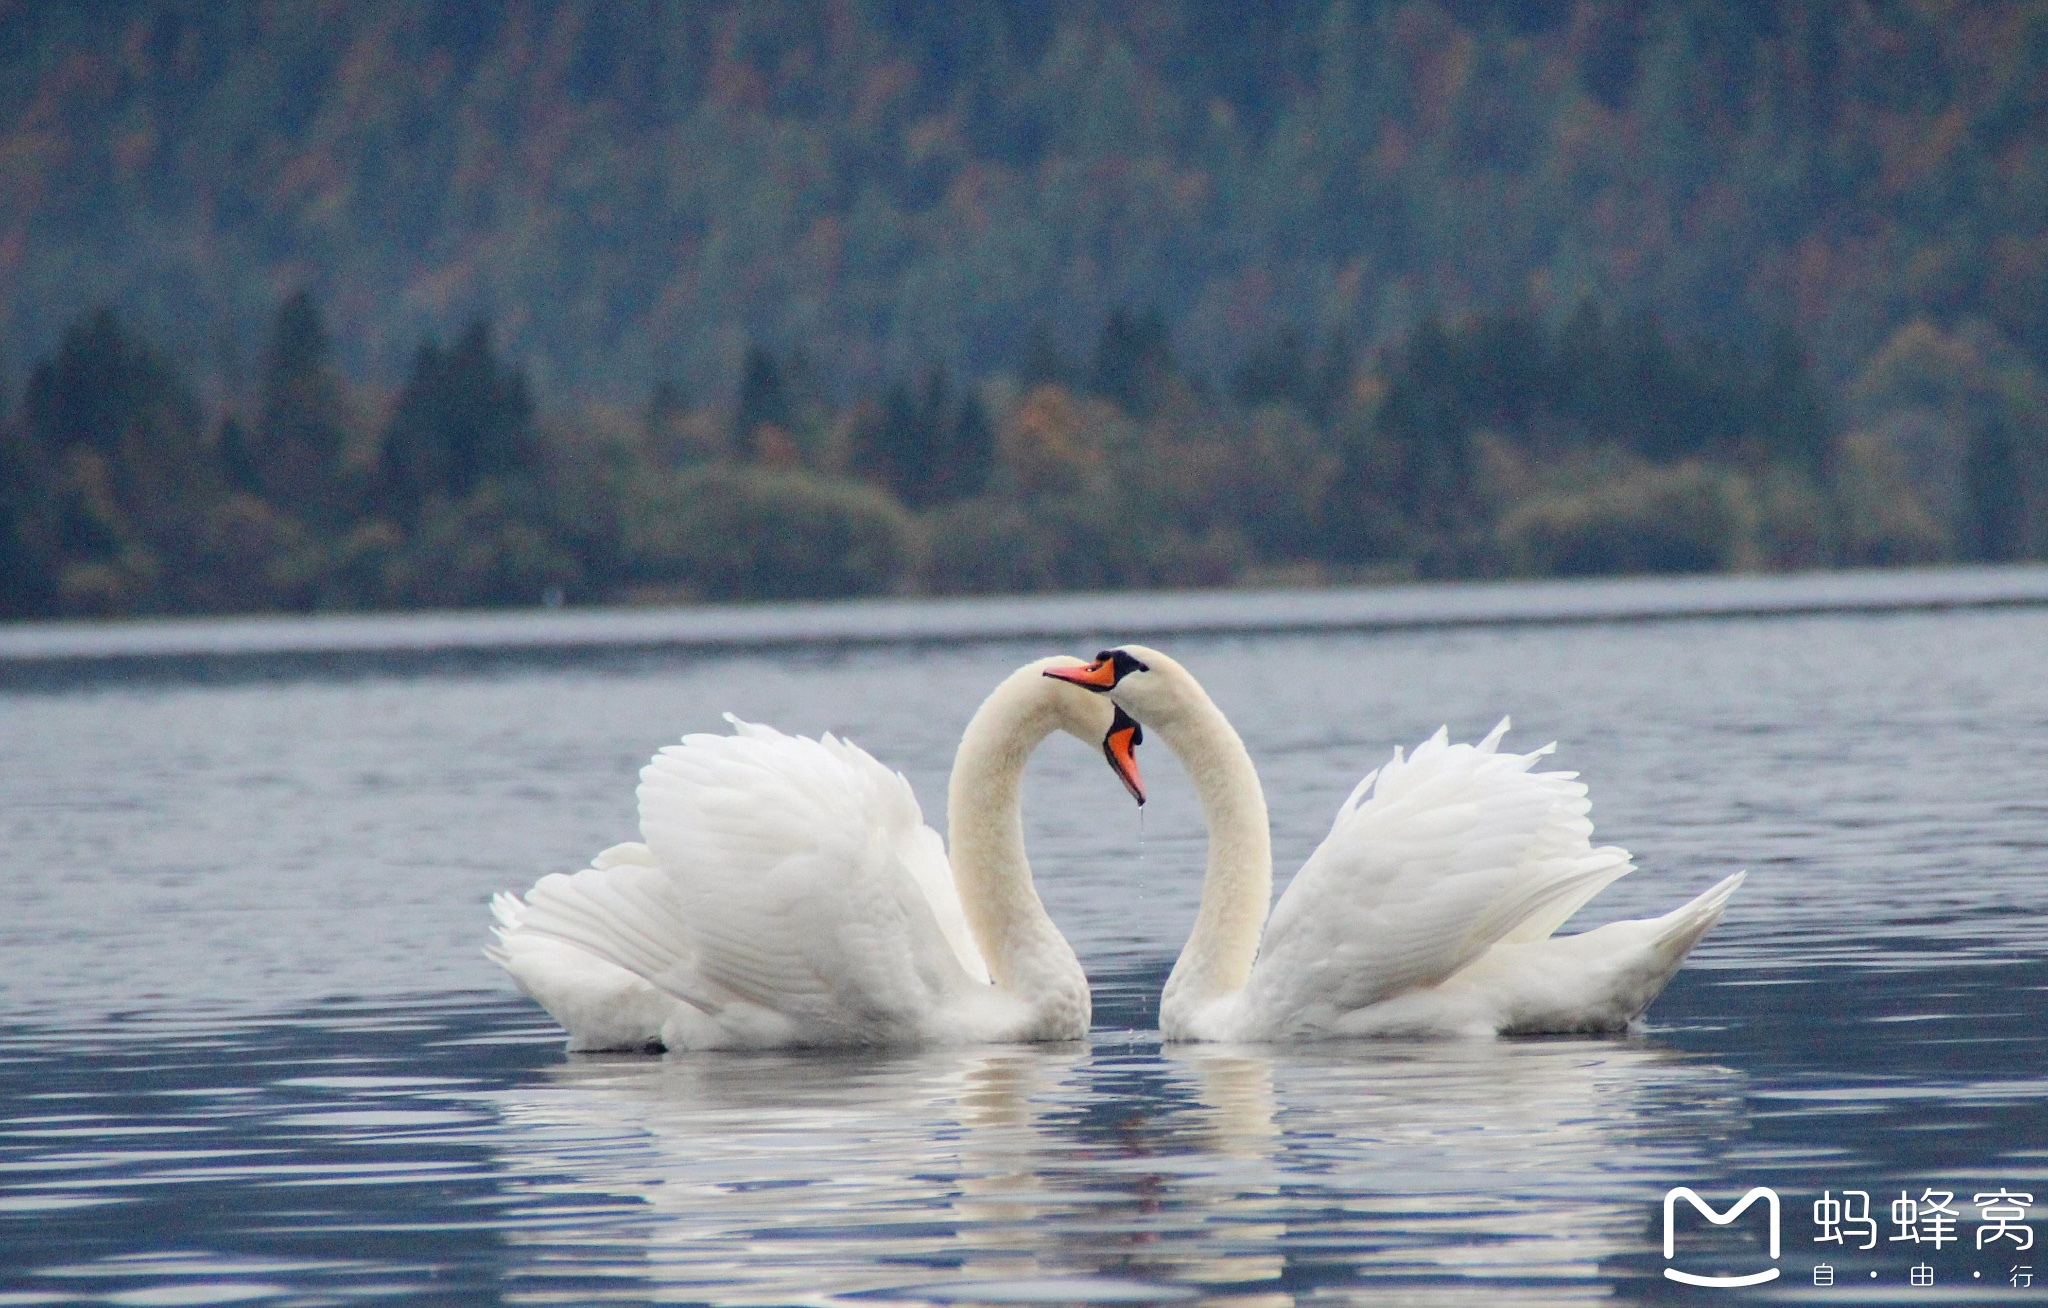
(789, 893)
(1428, 909)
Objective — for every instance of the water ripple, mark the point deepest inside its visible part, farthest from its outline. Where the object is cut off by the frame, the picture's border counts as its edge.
(192, 1115)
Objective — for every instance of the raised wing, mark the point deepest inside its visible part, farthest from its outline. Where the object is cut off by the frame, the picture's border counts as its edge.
(1432, 860)
(791, 892)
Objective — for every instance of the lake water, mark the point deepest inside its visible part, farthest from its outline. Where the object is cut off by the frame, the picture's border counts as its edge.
(249, 1049)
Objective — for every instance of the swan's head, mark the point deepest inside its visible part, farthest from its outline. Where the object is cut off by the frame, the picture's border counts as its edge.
(1095, 719)
(1138, 679)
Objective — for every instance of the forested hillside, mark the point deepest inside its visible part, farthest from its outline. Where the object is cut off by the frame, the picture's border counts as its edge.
(632, 190)
(396, 302)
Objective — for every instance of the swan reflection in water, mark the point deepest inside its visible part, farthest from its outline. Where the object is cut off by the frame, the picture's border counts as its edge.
(1115, 1172)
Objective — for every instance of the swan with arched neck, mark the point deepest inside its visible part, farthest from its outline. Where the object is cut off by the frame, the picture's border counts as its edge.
(787, 892)
(1430, 908)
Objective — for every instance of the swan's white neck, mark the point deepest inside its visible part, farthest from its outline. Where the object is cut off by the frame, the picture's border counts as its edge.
(1026, 954)
(1217, 959)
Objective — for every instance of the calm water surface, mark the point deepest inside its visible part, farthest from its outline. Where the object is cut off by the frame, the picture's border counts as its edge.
(249, 1050)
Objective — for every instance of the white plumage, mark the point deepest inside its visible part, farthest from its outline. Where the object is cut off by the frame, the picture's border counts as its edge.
(1429, 908)
(788, 892)
(1432, 902)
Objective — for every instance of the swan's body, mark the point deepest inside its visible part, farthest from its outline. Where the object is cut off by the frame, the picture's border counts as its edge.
(789, 893)
(1429, 908)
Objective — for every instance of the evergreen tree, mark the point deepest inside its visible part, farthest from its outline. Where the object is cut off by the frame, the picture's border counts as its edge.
(110, 392)
(1582, 364)
(1275, 372)
(1425, 428)
(462, 416)
(1330, 384)
(1791, 420)
(1044, 361)
(1650, 405)
(25, 580)
(239, 461)
(1499, 371)
(927, 447)
(1134, 361)
(1993, 489)
(1359, 520)
(297, 453)
(128, 476)
(765, 401)
(969, 459)
(891, 447)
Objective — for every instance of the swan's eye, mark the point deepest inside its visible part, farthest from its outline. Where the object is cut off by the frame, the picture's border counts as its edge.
(1122, 663)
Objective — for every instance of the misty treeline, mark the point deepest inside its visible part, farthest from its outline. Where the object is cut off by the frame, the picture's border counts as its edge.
(1496, 445)
(816, 297)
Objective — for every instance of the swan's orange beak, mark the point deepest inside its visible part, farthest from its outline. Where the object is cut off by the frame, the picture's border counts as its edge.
(1107, 672)
(1099, 675)
(1120, 747)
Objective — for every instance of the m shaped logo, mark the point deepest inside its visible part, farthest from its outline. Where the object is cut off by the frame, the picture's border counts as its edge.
(1706, 1210)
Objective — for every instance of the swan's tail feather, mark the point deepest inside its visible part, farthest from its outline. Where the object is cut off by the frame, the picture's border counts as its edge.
(1600, 980)
(1682, 927)
(508, 911)
(1669, 939)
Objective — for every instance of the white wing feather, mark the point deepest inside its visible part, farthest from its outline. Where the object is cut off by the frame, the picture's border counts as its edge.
(1432, 861)
(600, 1004)
(790, 891)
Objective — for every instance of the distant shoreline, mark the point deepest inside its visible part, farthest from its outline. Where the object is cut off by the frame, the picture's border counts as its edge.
(338, 642)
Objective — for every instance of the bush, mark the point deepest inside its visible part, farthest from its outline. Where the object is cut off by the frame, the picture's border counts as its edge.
(727, 532)
(1076, 542)
(1053, 443)
(492, 546)
(1885, 518)
(1283, 476)
(1683, 518)
(991, 546)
